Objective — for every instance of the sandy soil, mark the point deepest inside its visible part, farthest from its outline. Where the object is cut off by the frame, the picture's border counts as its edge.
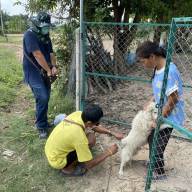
(122, 104)
(105, 178)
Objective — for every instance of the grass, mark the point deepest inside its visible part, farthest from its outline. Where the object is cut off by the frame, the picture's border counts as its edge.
(10, 76)
(12, 38)
(27, 170)
(60, 104)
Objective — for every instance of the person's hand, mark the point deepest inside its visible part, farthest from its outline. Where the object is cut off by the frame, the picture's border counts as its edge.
(118, 136)
(54, 71)
(112, 149)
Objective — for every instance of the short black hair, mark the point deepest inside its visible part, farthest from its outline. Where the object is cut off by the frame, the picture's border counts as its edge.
(148, 47)
(92, 113)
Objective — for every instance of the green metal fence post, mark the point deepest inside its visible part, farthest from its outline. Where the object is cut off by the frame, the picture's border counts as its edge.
(159, 119)
(82, 63)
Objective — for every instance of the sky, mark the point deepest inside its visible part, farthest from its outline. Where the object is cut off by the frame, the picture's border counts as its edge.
(8, 7)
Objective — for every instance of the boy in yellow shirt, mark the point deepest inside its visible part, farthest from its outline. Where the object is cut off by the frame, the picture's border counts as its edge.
(68, 146)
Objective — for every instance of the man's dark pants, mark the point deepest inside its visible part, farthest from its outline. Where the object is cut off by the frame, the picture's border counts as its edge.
(41, 92)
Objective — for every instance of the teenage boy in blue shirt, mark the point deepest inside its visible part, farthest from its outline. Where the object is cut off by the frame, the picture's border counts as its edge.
(37, 56)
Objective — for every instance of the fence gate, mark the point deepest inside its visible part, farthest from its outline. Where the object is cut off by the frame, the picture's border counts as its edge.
(111, 75)
(113, 78)
(178, 155)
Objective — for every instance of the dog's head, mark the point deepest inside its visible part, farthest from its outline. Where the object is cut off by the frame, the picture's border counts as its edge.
(151, 108)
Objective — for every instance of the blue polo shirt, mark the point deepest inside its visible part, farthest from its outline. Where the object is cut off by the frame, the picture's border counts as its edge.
(30, 44)
(174, 83)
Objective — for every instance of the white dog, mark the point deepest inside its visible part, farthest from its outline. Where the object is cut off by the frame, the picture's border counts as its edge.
(137, 137)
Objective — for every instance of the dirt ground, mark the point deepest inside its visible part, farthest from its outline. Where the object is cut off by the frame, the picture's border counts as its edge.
(105, 178)
(122, 104)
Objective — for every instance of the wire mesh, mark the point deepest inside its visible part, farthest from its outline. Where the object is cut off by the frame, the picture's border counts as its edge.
(169, 168)
(116, 81)
(114, 78)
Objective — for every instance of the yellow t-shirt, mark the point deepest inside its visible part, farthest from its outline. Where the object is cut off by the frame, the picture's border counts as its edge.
(65, 138)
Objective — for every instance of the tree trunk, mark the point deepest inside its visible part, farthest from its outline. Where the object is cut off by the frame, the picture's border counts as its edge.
(123, 36)
(99, 61)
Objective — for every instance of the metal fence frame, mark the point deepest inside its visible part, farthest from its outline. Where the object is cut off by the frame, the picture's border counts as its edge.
(160, 119)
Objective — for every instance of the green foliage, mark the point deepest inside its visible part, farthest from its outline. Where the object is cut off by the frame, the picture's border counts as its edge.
(60, 104)
(15, 23)
(63, 40)
(101, 10)
(38, 5)
(61, 7)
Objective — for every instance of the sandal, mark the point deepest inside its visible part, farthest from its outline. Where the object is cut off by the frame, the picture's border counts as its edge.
(78, 171)
(159, 177)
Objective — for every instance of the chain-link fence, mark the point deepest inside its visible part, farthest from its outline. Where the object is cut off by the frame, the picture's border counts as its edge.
(114, 79)
(170, 169)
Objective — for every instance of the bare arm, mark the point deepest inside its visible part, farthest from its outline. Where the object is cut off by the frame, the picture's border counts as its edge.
(97, 160)
(53, 59)
(53, 62)
(41, 60)
(100, 158)
(103, 130)
(169, 106)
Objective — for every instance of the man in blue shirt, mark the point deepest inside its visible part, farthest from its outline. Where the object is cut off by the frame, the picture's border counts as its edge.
(38, 64)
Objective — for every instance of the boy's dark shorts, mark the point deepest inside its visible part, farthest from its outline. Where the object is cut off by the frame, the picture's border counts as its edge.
(71, 157)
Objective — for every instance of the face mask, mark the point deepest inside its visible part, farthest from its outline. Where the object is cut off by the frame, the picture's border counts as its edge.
(45, 30)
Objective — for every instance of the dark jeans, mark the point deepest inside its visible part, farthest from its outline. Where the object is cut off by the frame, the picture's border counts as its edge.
(41, 92)
(162, 140)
